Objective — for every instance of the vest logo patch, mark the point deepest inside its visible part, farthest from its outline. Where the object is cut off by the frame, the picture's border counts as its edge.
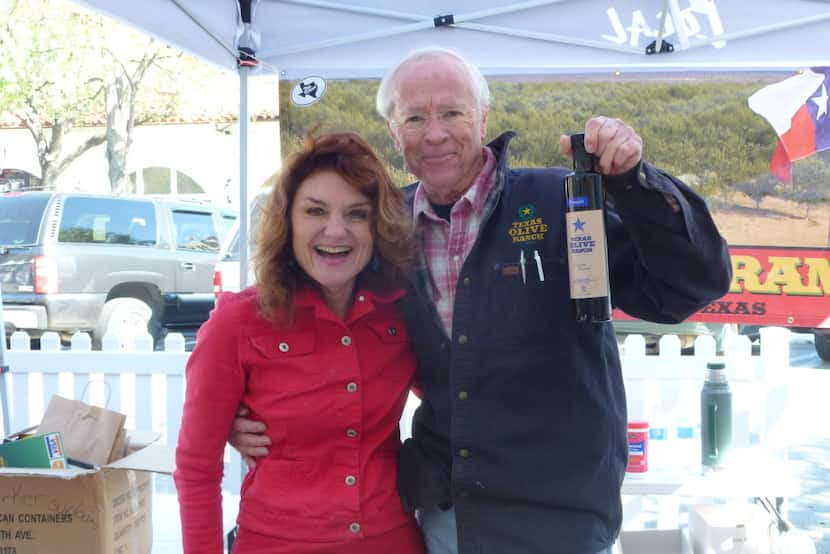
(528, 211)
(529, 227)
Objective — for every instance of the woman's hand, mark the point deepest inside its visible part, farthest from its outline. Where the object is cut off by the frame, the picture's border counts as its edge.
(248, 437)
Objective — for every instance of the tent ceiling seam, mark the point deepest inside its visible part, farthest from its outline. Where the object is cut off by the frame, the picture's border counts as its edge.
(546, 37)
(520, 6)
(748, 33)
(426, 22)
(204, 29)
(356, 9)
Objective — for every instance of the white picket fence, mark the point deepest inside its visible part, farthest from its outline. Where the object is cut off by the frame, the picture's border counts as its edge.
(665, 389)
(149, 386)
(126, 375)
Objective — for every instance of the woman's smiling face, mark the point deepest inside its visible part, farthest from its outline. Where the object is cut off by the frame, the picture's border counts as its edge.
(331, 223)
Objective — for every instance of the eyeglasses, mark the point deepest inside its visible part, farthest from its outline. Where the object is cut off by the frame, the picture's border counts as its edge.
(416, 122)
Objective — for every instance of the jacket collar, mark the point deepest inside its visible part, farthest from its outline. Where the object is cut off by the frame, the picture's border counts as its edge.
(366, 301)
(499, 146)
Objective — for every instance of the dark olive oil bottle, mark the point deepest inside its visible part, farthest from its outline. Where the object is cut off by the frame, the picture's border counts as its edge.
(587, 250)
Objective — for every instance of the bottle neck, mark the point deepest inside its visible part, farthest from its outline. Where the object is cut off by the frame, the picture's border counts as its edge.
(583, 163)
(716, 376)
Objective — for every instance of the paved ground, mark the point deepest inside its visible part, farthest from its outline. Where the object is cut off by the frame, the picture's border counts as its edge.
(810, 453)
(811, 510)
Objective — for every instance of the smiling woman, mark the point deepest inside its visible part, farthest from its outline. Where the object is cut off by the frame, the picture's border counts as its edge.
(337, 186)
(318, 352)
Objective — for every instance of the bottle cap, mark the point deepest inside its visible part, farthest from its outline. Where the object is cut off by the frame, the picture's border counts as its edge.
(716, 372)
(580, 156)
(638, 424)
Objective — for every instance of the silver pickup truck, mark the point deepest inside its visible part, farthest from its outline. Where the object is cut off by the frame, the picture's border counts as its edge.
(81, 262)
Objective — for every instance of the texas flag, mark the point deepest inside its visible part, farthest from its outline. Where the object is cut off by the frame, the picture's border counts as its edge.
(797, 110)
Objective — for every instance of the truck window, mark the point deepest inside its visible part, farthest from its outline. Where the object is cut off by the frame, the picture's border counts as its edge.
(227, 223)
(20, 218)
(108, 220)
(195, 231)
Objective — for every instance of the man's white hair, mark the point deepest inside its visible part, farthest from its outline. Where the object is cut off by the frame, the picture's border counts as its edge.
(385, 101)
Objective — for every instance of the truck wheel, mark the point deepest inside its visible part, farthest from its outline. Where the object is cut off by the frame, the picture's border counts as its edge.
(822, 341)
(125, 317)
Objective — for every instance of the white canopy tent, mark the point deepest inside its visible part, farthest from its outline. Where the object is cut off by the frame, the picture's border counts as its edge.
(362, 38)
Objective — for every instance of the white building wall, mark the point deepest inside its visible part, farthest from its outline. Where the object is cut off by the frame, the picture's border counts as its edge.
(17, 151)
(208, 153)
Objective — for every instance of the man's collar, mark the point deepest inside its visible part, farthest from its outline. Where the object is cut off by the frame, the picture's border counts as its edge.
(476, 194)
(500, 144)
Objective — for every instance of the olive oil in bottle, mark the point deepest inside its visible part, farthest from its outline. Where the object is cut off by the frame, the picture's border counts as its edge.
(587, 251)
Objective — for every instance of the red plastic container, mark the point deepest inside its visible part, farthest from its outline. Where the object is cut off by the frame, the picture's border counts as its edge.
(637, 447)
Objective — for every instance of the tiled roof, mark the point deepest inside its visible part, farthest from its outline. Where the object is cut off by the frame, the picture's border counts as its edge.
(11, 121)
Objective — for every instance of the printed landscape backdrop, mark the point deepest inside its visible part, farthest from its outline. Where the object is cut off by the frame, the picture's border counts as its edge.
(696, 126)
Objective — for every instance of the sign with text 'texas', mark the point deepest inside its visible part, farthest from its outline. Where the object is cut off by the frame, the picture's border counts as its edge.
(782, 286)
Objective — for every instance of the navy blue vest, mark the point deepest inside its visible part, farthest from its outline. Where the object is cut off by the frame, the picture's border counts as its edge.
(523, 421)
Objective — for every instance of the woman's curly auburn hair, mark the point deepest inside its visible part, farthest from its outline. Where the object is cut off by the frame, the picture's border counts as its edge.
(351, 157)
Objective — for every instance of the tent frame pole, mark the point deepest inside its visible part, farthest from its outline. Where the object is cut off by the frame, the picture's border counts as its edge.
(243, 176)
(4, 369)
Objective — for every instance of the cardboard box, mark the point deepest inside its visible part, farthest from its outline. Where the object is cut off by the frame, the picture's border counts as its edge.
(653, 541)
(77, 511)
(713, 528)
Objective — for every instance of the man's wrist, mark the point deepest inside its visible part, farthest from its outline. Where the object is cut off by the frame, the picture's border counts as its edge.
(634, 177)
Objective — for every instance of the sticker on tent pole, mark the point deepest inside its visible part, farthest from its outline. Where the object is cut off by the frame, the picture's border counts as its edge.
(308, 91)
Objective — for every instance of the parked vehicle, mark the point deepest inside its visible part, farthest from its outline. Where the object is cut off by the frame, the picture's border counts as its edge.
(226, 274)
(81, 262)
(687, 332)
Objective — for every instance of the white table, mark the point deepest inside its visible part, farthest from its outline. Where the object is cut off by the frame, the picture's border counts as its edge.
(752, 472)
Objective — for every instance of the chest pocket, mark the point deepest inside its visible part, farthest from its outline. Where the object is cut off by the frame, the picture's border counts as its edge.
(545, 274)
(389, 333)
(390, 355)
(288, 349)
(519, 303)
(283, 345)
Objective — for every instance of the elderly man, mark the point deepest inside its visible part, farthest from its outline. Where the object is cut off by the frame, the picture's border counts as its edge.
(519, 445)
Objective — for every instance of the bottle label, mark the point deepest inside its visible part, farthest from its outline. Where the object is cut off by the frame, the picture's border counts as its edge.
(587, 257)
(637, 451)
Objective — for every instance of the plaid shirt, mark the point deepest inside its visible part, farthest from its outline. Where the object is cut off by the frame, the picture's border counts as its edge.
(447, 243)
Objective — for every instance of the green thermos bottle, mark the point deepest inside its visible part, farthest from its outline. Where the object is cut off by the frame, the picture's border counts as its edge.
(715, 416)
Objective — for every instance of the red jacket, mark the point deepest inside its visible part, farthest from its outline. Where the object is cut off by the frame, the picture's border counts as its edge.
(330, 392)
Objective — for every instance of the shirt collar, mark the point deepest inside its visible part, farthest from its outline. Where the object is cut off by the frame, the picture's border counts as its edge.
(309, 297)
(476, 195)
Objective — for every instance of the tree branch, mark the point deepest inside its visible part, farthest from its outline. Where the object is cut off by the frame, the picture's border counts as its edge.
(72, 155)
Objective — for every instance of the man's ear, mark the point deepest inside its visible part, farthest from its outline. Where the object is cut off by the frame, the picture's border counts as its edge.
(484, 119)
(393, 136)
